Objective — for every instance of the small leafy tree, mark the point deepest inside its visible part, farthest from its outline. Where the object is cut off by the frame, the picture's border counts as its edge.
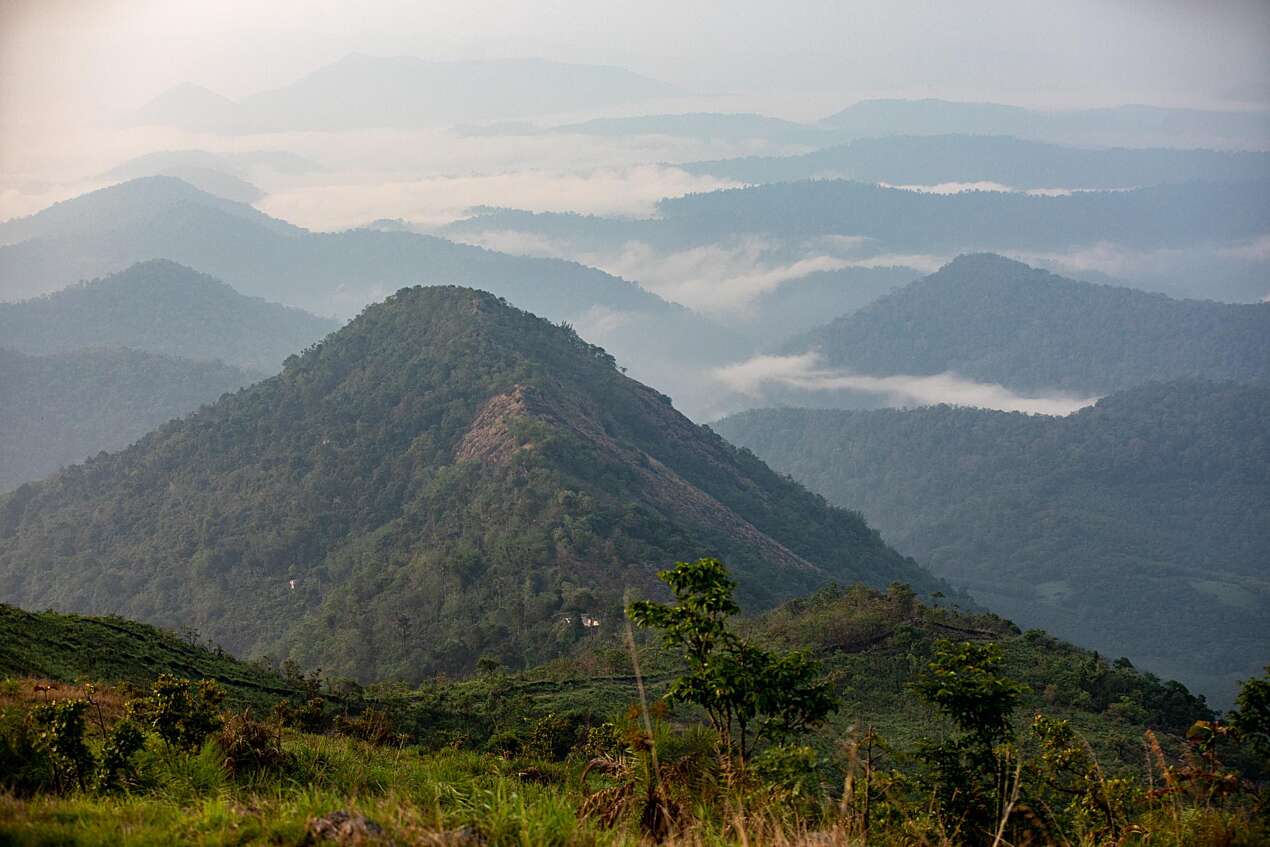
(1251, 718)
(748, 694)
(965, 682)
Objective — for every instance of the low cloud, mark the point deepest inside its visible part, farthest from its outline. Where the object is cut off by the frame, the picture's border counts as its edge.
(723, 279)
(805, 372)
(628, 191)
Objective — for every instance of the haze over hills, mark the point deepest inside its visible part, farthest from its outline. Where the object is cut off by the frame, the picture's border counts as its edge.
(1136, 527)
(60, 409)
(1003, 160)
(162, 307)
(161, 217)
(361, 91)
(994, 320)
(445, 465)
(1158, 216)
(1133, 125)
(1195, 239)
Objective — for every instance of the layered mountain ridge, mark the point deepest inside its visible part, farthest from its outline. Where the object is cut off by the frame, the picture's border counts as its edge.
(445, 477)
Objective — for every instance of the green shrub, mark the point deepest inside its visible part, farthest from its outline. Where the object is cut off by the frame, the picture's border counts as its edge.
(25, 766)
(122, 743)
(372, 725)
(249, 745)
(554, 736)
(61, 733)
(182, 713)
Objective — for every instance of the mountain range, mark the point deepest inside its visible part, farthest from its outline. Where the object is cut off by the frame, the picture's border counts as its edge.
(991, 319)
(446, 476)
(1134, 125)
(361, 91)
(338, 273)
(1003, 160)
(1135, 527)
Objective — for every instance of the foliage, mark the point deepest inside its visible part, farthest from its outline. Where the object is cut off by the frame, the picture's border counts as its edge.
(749, 694)
(112, 649)
(61, 734)
(573, 778)
(964, 680)
(445, 478)
(163, 308)
(181, 712)
(1133, 526)
(25, 764)
(60, 409)
(1251, 718)
(123, 742)
(969, 770)
(250, 746)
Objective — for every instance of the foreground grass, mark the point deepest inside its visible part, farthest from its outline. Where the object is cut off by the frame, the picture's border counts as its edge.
(416, 798)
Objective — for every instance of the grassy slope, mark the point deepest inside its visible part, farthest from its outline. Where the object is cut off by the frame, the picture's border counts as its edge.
(871, 643)
(68, 648)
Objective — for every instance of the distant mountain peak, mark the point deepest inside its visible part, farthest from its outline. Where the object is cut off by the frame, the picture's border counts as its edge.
(439, 457)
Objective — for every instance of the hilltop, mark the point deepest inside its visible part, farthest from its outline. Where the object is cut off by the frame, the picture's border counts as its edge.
(992, 319)
(1135, 527)
(60, 409)
(446, 476)
(162, 307)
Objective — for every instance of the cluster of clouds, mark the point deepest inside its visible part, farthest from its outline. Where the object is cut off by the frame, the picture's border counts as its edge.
(754, 376)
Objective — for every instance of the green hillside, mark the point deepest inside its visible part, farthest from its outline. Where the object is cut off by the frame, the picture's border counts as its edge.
(992, 319)
(560, 754)
(445, 477)
(162, 307)
(74, 648)
(1136, 527)
(61, 409)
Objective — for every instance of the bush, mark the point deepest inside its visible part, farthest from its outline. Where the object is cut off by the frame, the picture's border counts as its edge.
(554, 736)
(124, 741)
(61, 734)
(25, 766)
(794, 774)
(180, 712)
(312, 717)
(372, 725)
(249, 745)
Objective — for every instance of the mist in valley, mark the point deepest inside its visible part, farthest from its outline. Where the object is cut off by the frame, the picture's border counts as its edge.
(413, 341)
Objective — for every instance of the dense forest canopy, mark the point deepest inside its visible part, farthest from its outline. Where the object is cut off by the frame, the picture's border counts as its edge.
(61, 409)
(1136, 526)
(444, 477)
(991, 319)
(162, 307)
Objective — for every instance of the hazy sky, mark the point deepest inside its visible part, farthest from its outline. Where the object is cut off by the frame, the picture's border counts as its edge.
(92, 57)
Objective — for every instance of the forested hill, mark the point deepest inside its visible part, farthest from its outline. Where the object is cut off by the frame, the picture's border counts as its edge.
(446, 476)
(162, 307)
(1137, 526)
(991, 319)
(61, 409)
